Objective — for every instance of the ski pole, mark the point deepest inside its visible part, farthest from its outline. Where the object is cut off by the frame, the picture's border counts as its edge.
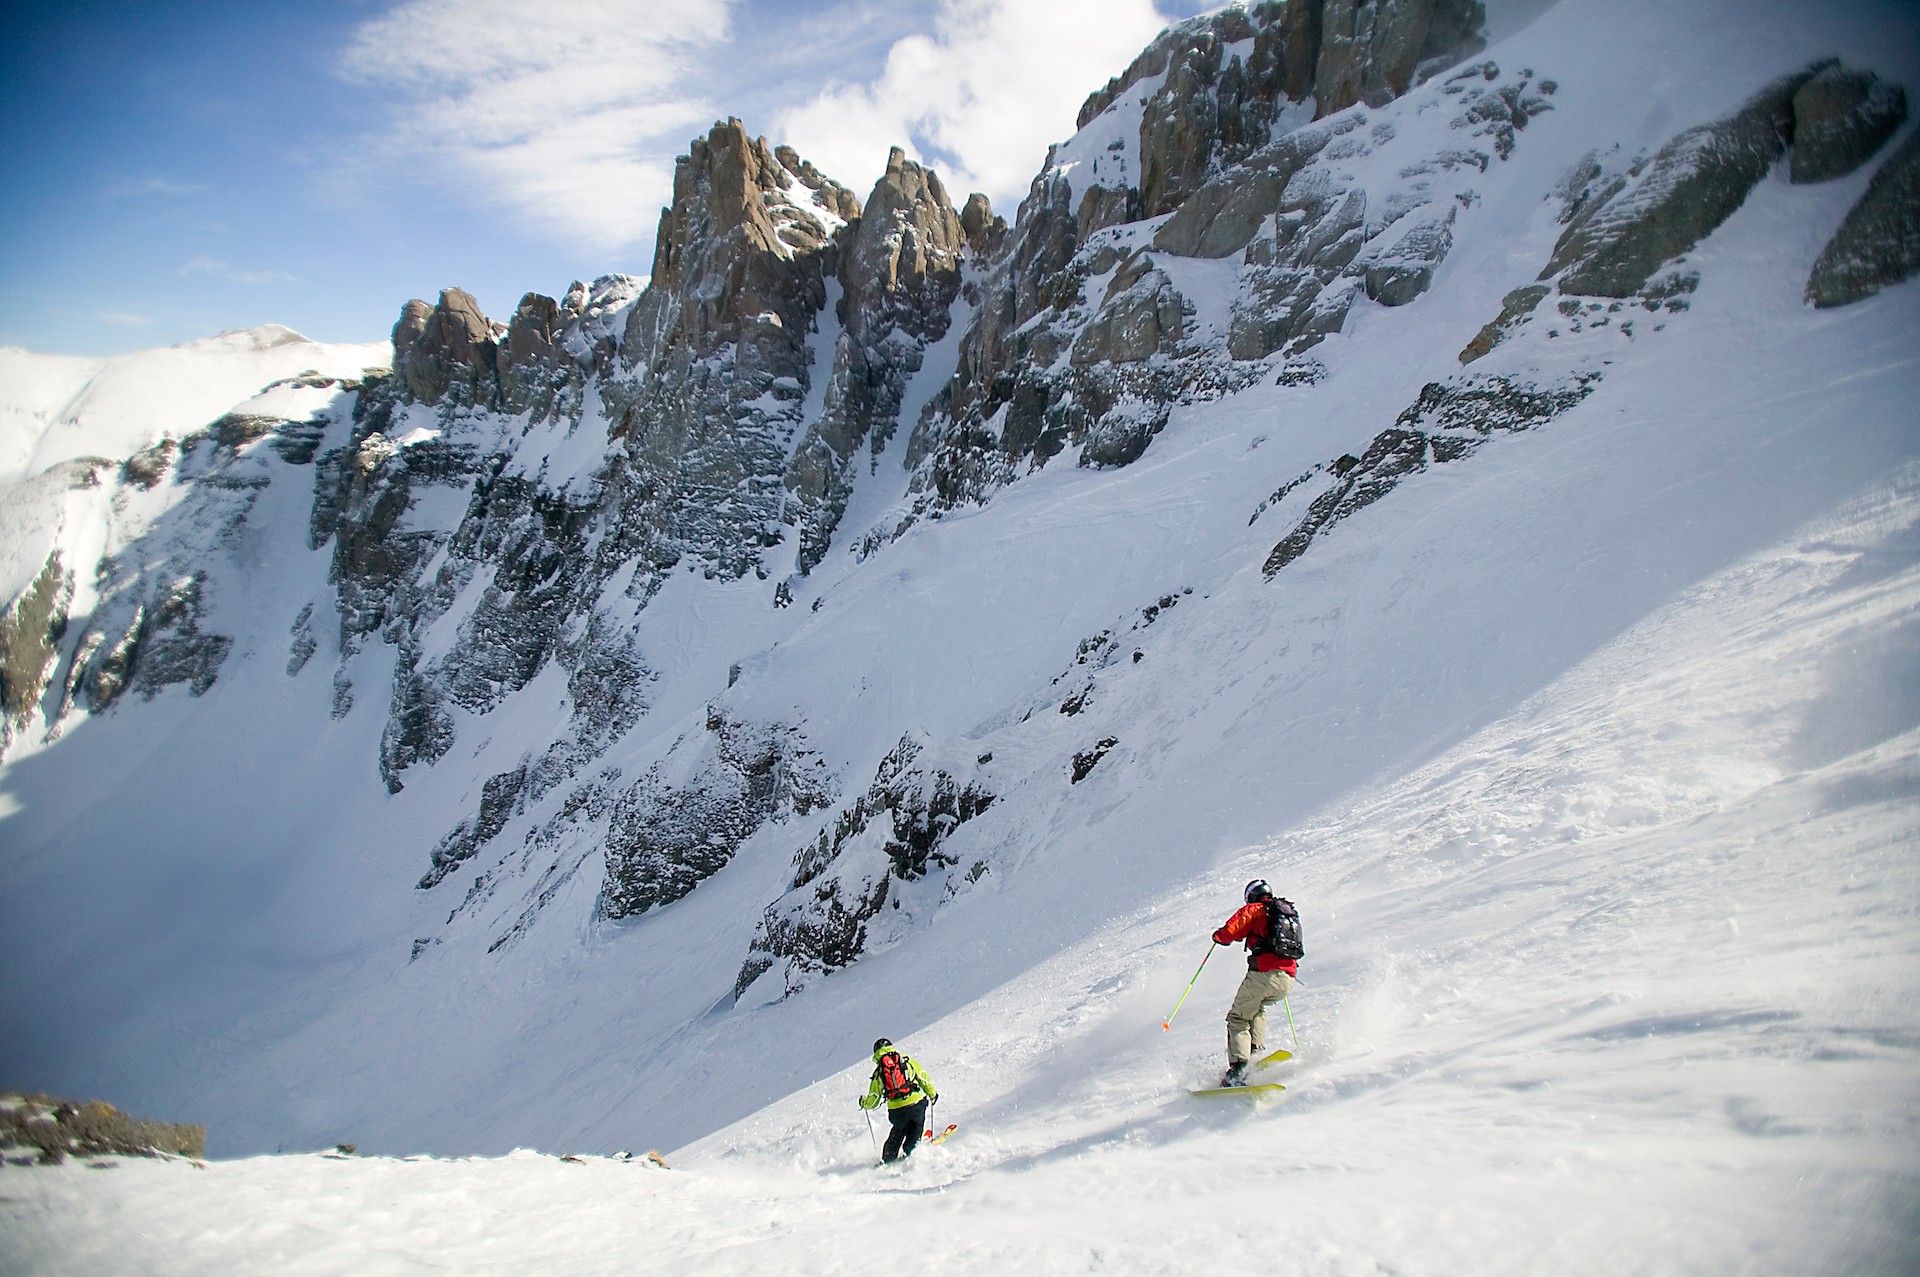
(1167, 1024)
(1288, 1003)
(870, 1134)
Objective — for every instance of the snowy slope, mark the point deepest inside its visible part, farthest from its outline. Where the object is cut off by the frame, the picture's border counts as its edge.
(56, 409)
(1592, 762)
(1647, 937)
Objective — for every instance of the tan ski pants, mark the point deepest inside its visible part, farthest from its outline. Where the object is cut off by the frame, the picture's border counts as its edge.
(1247, 1017)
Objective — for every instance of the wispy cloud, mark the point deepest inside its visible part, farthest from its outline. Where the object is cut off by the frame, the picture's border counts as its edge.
(980, 97)
(221, 269)
(147, 187)
(125, 319)
(568, 113)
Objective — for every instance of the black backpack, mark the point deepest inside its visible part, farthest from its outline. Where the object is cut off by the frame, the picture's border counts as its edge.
(1283, 930)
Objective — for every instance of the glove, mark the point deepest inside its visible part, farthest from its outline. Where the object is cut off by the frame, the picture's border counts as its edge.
(867, 1102)
(934, 1098)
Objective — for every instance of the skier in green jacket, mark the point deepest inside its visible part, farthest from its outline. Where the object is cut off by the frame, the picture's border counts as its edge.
(905, 1086)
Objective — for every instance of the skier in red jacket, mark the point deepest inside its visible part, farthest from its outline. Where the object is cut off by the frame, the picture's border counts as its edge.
(1269, 978)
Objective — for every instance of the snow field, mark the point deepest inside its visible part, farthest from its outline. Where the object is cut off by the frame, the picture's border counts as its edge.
(1617, 985)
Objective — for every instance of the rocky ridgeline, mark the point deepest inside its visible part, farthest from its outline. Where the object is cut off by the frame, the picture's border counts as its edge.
(1082, 337)
(1622, 260)
(51, 1130)
(702, 383)
(900, 272)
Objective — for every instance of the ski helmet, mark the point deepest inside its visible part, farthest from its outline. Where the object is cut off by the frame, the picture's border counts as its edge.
(880, 1044)
(1256, 890)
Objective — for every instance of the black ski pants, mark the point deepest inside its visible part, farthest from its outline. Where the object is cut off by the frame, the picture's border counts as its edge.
(908, 1121)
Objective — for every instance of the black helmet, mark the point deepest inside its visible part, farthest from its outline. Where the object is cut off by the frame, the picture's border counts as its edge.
(880, 1043)
(1256, 890)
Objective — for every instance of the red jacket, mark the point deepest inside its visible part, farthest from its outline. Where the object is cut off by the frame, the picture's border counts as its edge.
(1249, 923)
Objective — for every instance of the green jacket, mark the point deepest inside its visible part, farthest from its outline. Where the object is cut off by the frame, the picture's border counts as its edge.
(924, 1088)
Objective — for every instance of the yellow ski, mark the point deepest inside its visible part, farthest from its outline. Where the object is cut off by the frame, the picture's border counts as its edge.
(1263, 1088)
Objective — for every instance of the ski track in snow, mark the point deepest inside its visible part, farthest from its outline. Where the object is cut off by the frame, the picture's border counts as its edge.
(1593, 763)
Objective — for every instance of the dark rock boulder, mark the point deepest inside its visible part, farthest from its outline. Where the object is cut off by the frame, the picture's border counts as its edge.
(30, 632)
(896, 833)
(1371, 50)
(984, 231)
(527, 357)
(1448, 422)
(1879, 243)
(1840, 118)
(58, 1129)
(1653, 214)
(446, 349)
(667, 837)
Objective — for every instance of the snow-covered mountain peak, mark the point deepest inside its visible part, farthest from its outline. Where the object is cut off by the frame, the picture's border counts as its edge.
(259, 337)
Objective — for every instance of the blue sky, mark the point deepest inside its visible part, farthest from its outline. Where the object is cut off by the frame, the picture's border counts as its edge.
(177, 169)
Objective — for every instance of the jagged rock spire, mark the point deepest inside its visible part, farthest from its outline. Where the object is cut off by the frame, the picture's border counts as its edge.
(900, 270)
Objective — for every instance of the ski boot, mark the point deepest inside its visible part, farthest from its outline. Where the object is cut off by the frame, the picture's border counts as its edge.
(1236, 1074)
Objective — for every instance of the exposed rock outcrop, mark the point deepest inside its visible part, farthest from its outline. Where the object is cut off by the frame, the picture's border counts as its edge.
(1447, 423)
(666, 837)
(1879, 243)
(892, 835)
(30, 632)
(447, 348)
(1371, 50)
(149, 625)
(899, 269)
(1311, 237)
(1840, 118)
(718, 348)
(1650, 215)
(58, 1129)
(527, 359)
(1627, 231)
(171, 646)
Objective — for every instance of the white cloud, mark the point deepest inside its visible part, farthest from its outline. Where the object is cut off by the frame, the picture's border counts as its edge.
(220, 269)
(126, 319)
(141, 187)
(980, 98)
(569, 112)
